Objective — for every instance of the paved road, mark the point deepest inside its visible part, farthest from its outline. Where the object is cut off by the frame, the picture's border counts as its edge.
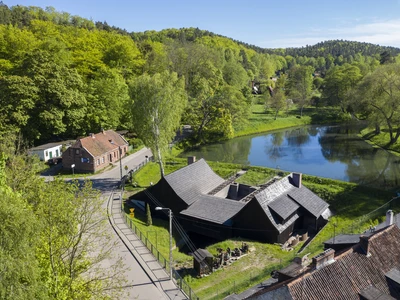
(146, 281)
(140, 285)
(108, 180)
(142, 282)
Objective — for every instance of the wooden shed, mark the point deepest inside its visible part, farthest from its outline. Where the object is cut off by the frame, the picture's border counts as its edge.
(202, 261)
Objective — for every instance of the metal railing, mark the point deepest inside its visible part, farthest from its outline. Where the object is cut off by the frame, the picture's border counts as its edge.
(181, 283)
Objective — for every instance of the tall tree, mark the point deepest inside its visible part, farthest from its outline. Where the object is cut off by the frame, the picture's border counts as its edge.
(338, 82)
(299, 85)
(378, 95)
(158, 104)
(277, 101)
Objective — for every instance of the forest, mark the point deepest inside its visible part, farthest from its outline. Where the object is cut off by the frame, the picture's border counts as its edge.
(63, 76)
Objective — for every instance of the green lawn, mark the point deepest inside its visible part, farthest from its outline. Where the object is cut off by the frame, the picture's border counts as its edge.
(261, 120)
(381, 140)
(349, 202)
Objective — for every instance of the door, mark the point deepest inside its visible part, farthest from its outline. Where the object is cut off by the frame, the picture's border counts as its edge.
(51, 154)
(57, 154)
(110, 157)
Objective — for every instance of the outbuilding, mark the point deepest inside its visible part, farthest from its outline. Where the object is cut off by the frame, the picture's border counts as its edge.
(47, 151)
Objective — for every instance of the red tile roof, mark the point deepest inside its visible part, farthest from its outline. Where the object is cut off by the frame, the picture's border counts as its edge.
(354, 271)
(101, 143)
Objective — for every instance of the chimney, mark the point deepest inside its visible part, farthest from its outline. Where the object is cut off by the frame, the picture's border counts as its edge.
(364, 243)
(92, 135)
(389, 217)
(296, 179)
(325, 258)
(103, 131)
(191, 159)
(303, 261)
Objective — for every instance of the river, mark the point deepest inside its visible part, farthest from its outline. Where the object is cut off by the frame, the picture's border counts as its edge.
(326, 151)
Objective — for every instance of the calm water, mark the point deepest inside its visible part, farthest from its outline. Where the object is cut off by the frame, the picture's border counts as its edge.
(326, 151)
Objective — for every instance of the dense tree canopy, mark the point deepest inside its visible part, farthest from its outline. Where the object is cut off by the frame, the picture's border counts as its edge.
(62, 76)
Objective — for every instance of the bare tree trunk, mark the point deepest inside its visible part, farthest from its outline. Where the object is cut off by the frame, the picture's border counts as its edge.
(160, 162)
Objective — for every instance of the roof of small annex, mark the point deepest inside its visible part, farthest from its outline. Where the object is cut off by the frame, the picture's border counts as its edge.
(284, 198)
(100, 143)
(193, 180)
(46, 146)
(372, 267)
(201, 254)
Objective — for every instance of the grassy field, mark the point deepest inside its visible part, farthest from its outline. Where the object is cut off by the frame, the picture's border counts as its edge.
(262, 120)
(350, 203)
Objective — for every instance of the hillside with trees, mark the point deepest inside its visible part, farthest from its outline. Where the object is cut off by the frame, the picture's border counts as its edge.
(63, 76)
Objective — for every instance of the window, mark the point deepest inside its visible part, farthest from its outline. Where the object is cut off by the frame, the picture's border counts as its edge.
(85, 160)
(115, 154)
(98, 161)
(102, 160)
(77, 151)
(47, 153)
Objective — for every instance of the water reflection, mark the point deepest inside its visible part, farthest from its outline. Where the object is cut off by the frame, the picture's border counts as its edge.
(327, 151)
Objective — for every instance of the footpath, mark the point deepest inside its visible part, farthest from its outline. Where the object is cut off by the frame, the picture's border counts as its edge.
(143, 256)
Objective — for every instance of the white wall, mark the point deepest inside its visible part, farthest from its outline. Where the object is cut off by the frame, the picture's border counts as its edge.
(46, 154)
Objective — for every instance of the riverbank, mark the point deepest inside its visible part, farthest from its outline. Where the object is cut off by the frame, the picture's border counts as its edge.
(261, 121)
(380, 140)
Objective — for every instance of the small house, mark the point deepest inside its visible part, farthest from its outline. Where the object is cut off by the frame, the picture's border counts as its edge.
(95, 152)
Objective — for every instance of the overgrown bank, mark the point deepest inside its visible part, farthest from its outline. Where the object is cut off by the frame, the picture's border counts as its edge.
(380, 140)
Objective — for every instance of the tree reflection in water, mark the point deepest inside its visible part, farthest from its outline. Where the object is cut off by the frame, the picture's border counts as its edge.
(327, 151)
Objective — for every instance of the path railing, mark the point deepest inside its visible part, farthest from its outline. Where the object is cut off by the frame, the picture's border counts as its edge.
(180, 282)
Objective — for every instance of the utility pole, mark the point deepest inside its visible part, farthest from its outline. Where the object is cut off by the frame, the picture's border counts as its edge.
(170, 237)
(120, 160)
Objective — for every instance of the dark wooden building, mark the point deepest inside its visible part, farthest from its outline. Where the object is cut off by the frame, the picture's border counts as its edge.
(208, 205)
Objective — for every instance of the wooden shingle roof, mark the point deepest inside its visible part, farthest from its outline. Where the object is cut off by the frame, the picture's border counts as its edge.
(213, 209)
(363, 269)
(307, 199)
(283, 206)
(284, 198)
(190, 182)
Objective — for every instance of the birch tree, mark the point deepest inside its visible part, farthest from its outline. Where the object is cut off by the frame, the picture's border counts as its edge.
(158, 104)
